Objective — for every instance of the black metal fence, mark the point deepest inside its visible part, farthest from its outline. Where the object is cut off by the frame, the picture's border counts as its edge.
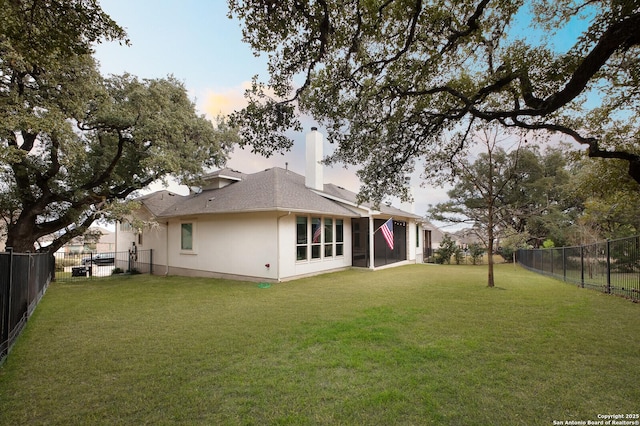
(23, 280)
(610, 266)
(87, 266)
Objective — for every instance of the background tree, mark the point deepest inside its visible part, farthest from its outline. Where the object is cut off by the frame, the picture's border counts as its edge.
(390, 80)
(539, 201)
(72, 144)
(481, 192)
(609, 198)
(476, 251)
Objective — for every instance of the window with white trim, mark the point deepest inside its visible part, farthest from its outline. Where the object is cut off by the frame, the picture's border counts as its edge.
(328, 237)
(302, 241)
(316, 237)
(339, 237)
(186, 236)
(319, 238)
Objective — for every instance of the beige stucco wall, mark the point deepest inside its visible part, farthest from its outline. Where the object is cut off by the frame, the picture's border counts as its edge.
(238, 244)
(241, 245)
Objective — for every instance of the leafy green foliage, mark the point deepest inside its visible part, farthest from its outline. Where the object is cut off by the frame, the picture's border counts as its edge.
(396, 81)
(526, 192)
(610, 199)
(74, 145)
(448, 249)
(476, 251)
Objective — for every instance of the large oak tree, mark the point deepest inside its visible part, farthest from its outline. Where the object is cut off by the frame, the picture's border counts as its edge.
(392, 80)
(74, 144)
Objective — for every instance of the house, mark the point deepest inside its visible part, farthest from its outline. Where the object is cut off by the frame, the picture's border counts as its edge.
(274, 225)
(432, 237)
(95, 239)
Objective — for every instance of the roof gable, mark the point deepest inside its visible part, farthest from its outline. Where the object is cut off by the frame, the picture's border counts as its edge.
(221, 178)
(158, 202)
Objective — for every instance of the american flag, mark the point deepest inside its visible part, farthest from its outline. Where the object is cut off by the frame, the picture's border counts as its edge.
(387, 232)
(316, 234)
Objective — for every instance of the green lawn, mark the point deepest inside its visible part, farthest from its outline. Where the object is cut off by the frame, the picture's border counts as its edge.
(420, 344)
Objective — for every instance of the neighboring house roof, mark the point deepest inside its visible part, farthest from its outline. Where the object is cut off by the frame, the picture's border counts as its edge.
(273, 189)
(437, 234)
(95, 234)
(467, 236)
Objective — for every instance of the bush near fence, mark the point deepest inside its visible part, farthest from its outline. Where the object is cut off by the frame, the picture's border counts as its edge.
(85, 265)
(23, 280)
(610, 266)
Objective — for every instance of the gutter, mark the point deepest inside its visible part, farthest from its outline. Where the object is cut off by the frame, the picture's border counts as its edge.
(166, 273)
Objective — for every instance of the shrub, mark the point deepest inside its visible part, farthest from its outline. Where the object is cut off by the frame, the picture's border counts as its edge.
(476, 251)
(458, 255)
(448, 248)
(507, 253)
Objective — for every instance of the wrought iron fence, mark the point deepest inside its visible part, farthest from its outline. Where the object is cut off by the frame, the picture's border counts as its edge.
(88, 266)
(610, 266)
(23, 280)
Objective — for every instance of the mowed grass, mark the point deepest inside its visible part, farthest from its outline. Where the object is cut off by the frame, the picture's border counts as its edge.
(420, 344)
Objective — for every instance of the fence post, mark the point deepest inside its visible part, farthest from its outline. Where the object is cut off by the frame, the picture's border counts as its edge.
(564, 264)
(150, 261)
(582, 266)
(7, 303)
(608, 290)
(31, 259)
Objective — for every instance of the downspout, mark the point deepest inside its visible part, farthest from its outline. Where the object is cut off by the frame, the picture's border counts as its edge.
(278, 244)
(166, 273)
(115, 247)
(372, 252)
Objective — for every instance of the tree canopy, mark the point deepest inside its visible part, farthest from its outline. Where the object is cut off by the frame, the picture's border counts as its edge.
(72, 143)
(397, 80)
(534, 196)
(528, 190)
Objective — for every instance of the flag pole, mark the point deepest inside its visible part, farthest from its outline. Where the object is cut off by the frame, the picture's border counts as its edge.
(380, 227)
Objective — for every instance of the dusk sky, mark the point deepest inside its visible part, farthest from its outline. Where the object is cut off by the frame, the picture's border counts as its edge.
(196, 42)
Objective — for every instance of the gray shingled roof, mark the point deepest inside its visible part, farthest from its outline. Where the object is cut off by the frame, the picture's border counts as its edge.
(158, 202)
(273, 189)
(344, 194)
